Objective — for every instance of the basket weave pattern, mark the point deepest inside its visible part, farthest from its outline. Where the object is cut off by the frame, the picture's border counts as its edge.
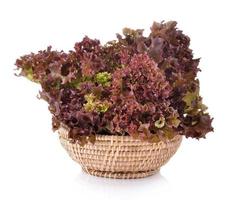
(120, 156)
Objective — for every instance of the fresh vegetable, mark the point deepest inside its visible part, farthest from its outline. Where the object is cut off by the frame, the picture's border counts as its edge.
(145, 87)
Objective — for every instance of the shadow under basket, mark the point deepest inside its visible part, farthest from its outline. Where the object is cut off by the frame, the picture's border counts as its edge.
(121, 157)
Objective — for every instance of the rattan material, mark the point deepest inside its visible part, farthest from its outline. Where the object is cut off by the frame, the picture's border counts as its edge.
(120, 156)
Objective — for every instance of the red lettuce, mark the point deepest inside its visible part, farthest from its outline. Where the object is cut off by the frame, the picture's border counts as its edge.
(146, 87)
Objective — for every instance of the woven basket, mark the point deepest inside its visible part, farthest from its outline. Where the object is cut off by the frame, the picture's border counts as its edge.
(120, 156)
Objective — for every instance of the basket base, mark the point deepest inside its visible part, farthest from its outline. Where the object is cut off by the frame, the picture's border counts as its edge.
(121, 175)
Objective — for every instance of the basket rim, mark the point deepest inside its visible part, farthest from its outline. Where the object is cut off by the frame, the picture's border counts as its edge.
(63, 132)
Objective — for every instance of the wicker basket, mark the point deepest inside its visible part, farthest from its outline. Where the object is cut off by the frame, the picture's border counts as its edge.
(120, 156)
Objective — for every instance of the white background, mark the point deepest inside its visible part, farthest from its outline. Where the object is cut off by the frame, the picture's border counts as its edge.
(33, 164)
